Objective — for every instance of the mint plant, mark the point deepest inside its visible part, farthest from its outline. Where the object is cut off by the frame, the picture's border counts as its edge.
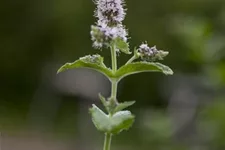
(110, 33)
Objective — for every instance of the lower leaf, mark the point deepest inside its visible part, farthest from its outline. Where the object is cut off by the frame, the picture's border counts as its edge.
(114, 124)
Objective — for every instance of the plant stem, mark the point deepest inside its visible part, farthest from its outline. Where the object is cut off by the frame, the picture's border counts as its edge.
(114, 82)
(107, 143)
(114, 59)
(131, 60)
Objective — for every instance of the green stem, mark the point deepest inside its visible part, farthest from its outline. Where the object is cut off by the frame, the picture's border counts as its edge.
(131, 60)
(114, 59)
(114, 82)
(107, 143)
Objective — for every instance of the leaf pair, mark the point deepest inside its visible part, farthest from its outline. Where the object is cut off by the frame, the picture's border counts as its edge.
(96, 62)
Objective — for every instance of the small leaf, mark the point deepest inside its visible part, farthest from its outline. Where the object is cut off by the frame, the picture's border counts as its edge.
(123, 105)
(104, 102)
(92, 62)
(122, 46)
(120, 121)
(163, 54)
(138, 67)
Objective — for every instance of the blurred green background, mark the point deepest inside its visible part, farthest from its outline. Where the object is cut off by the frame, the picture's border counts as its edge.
(44, 111)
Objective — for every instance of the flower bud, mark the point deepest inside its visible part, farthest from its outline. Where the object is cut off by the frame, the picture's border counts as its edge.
(151, 53)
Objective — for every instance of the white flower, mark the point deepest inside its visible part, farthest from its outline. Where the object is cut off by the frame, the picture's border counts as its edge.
(145, 50)
(110, 12)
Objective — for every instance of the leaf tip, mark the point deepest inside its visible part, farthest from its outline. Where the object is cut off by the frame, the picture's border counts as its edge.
(59, 70)
(91, 110)
(168, 71)
(63, 68)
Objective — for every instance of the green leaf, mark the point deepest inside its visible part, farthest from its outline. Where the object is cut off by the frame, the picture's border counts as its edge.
(92, 62)
(122, 45)
(120, 121)
(100, 119)
(109, 104)
(110, 108)
(104, 102)
(123, 105)
(138, 67)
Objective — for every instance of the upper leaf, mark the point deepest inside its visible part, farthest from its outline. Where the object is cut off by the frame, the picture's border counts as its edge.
(138, 67)
(122, 45)
(114, 124)
(92, 62)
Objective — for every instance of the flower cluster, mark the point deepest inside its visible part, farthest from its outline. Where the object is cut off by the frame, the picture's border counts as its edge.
(151, 53)
(110, 14)
(104, 35)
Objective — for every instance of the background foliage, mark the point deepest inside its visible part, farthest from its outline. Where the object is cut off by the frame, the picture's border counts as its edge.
(184, 111)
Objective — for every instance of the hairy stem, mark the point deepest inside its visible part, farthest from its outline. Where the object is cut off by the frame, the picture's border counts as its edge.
(107, 143)
(114, 82)
(114, 59)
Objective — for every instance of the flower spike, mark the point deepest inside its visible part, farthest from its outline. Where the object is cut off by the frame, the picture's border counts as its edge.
(109, 27)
